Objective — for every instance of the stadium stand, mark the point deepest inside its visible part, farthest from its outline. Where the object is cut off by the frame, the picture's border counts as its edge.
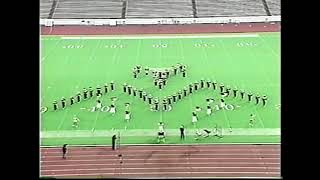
(88, 9)
(209, 8)
(45, 6)
(120, 9)
(154, 8)
(274, 6)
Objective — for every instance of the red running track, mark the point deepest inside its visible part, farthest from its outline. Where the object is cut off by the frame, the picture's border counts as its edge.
(184, 161)
(160, 29)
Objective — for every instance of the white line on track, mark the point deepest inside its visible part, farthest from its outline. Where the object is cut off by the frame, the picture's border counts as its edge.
(158, 173)
(155, 168)
(159, 150)
(168, 144)
(271, 152)
(113, 155)
(177, 159)
(155, 151)
(159, 163)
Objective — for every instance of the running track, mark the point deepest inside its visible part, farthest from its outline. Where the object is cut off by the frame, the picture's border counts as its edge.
(199, 161)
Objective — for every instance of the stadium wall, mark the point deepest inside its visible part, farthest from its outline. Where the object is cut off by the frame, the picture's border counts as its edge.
(159, 26)
(113, 22)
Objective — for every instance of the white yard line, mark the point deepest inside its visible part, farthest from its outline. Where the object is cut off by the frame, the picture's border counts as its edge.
(67, 97)
(267, 45)
(223, 109)
(88, 62)
(161, 92)
(97, 114)
(241, 81)
(188, 95)
(42, 67)
(254, 59)
(50, 51)
(66, 108)
(135, 80)
(266, 77)
(231, 64)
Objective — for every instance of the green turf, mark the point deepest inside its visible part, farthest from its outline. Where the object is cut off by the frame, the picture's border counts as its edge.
(65, 71)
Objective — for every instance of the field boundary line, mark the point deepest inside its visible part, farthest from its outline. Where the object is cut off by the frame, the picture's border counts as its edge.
(162, 37)
(166, 144)
(153, 132)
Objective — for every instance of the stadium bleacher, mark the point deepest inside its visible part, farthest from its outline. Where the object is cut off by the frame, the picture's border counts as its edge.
(164, 8)
(65, 9)
(88, 9)
(209, 8)
(45, 6)
(274, 6)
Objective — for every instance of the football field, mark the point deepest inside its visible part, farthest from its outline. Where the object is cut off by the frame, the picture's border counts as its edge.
(248, 61)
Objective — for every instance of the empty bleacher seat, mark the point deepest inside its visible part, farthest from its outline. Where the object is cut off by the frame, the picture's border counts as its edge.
(88, 9)
(274, 7)
(216, 8)
(156, 8)
(45, 6)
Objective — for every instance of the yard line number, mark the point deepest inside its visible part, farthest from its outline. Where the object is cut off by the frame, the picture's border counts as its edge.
(203, 45)
(114, 46)
(228, 107)
(160, 45)
(246, 44)
(73, 46)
